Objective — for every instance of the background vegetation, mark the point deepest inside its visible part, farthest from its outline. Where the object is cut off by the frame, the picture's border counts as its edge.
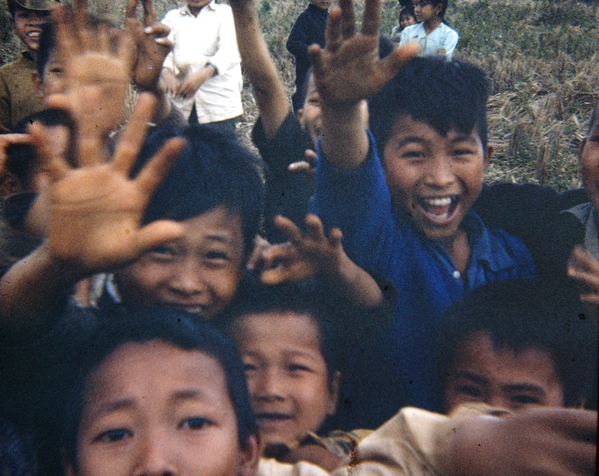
(541, 57)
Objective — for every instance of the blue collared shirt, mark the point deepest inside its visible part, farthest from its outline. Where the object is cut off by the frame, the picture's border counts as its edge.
(380, 239)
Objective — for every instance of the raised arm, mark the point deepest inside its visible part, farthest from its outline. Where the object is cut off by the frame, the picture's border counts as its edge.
(347, 71)
(259, 68)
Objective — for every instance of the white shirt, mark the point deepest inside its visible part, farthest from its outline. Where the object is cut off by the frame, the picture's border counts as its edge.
(441, 37)
(207, 38)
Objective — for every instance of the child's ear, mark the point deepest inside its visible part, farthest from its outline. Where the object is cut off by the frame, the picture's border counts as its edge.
(334, 393)
(250, 456)
(581, 147)
(488, 154)
(38, 83)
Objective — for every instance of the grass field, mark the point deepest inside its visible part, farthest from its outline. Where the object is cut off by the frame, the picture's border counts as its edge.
(541, 57)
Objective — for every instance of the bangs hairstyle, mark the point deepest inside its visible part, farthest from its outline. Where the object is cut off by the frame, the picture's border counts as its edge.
(521, 315)
(443, 94)
(163, 324)
(304, 298)
(214, 170)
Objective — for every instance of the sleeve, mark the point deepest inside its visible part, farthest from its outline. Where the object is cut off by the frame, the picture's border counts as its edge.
(169, 61)
(358, 202)
(5, 107)
(298, 43)
(227, 54)
(450, 42)
(414, 442)
(405, 36)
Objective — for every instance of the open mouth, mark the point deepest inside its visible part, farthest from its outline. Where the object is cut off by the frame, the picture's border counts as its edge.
(439, 210)
(271, 418)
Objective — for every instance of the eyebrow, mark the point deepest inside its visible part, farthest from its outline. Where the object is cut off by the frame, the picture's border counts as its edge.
(524, 387)
(471, 376)
(220, 237)
(411, 139)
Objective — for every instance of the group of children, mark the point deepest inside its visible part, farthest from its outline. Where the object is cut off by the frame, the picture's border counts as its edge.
(139, 253)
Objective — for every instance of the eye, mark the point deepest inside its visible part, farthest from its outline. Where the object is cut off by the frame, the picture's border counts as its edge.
(56, 70)
(250, 367)
(113, 435)
(413, 155)
(470, 391)
(298, 368)
(162, 253)
(195, 423)
(524, 399)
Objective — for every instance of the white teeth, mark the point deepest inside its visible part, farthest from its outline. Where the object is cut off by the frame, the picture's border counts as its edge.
(438, 202)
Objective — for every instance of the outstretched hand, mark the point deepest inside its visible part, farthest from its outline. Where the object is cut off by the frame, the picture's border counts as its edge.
(306, 255)
(97, 76)
(582, 267)
(95, 211)
(348, 69)
(152, 43)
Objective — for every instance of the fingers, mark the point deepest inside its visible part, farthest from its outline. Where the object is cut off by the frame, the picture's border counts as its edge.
(348, 18)
(372, 18)
(131, 7)
(333, 32)
(149, 12)
(6, 140)
(153, 173)
(301, 166)
(315, 228)
(582, 259)
(68, 43)
(57, 166)
(260, 246)
(289, 229)
(130, 143)
(158, 233)
(390, 65)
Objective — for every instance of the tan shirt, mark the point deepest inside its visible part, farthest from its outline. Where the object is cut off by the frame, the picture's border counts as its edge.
(272, 467)
(18, 98)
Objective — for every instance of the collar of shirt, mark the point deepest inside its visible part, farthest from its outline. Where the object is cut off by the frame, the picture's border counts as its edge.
(185, 9)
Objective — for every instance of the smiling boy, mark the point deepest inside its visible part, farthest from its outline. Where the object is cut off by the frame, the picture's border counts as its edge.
(18, 98)
(407, 215)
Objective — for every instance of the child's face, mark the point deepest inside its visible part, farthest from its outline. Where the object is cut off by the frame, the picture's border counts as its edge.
(589, 165)
(425, 11)
(310, 117)
(435, 179)
(28, 26)
(322, 4)
(153, 408)
(54, 81)
(286, 373)
(406, 20)
(501, 377)
(199, 272)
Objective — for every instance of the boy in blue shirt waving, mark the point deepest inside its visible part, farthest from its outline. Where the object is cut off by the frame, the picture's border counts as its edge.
(406, 213)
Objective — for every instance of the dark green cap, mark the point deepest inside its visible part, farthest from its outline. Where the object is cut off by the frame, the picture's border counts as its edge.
(41, 5)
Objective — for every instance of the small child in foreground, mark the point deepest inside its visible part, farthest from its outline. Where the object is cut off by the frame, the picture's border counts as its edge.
(517, 344)
(293, 339)
(158, 394)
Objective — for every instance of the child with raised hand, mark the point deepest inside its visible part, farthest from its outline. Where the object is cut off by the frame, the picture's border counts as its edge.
(412, 222)
(431, 33)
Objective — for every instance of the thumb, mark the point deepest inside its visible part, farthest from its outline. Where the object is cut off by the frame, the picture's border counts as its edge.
(158, 233)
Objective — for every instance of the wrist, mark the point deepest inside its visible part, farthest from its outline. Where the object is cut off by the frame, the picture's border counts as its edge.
(212, 68)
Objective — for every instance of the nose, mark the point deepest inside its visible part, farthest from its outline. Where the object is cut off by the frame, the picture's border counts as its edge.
(270, 386)
(187, 279)
(155, 456)
(440, 173)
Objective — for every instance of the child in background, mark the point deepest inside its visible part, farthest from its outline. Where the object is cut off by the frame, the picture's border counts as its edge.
(431, 33)
(17, 93)
(407, 17)
(515, 344)
(307, 30)
(159, 394)
(413, 223)
(203, 73)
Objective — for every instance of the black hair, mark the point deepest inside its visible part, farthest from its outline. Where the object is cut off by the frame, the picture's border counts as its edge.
(47, 44)
(164, 324)
(213, 170)
(22, 158)
(306, 298)
(520, 315)
(434, 3)
(17, 457)
(443, 94)
(407, 10)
